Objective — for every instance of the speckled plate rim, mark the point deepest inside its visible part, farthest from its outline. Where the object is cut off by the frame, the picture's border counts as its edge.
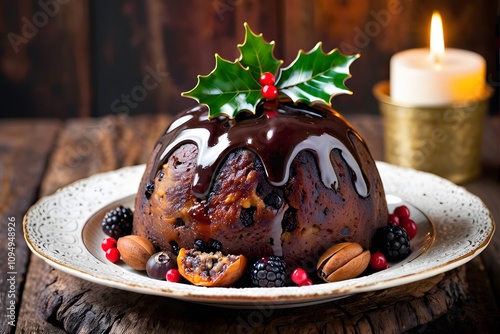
(462, 227)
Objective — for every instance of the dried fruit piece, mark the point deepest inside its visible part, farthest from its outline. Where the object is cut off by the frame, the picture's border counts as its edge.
(210, 269)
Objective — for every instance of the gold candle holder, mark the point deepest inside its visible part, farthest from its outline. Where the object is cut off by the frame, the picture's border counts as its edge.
(444, 140)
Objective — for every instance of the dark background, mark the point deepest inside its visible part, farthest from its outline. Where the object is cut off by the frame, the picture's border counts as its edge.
(80, 58)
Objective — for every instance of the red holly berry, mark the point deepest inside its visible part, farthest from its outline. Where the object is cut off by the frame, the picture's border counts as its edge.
(410, 227)
(378, 261)
(393, 219)
(269, 92)
(267, 78)
(402, 212)
(299, 276)
(173, 276)
(108, 243)
(113, 254)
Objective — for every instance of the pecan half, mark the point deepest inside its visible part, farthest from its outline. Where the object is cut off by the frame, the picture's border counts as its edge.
(342, 261)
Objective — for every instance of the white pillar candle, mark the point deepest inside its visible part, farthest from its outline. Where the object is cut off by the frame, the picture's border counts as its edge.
(436, 76)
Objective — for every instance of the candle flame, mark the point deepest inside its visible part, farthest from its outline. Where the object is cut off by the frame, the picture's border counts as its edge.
(437, 39)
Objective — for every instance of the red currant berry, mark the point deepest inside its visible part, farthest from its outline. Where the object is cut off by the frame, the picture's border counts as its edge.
(269, 92)
(113, 254)
(299, 276)
(410, 227)
(402, 212)
(306, 282)
(267, 78)
(108, 243)
(393, 219)
(173, 275)
(378, 261)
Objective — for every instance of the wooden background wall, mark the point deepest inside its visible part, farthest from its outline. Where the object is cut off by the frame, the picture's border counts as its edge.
(78, 58)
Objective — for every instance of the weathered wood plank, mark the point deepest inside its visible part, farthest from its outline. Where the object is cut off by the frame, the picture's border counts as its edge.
(79, 306)
(54, 300)
(83, 148)
(25, 147)
(90, 146)
(487, 187)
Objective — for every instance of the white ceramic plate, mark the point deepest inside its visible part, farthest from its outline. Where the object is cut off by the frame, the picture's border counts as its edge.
(64, 230)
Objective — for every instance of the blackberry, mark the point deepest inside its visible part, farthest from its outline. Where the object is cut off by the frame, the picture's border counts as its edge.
(393, 242)
(118, 222)
(269, 272)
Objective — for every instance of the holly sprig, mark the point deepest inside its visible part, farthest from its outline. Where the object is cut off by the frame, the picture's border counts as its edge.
(235, 87)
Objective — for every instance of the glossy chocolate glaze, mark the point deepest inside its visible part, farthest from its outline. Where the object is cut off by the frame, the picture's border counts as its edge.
(275, 134)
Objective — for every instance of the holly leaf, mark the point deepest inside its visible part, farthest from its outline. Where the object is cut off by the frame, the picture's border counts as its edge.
(228, 90)
(233, 87)
(257, 54)
(315, 76)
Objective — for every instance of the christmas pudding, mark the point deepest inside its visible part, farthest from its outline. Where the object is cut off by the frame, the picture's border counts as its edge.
(263, 166)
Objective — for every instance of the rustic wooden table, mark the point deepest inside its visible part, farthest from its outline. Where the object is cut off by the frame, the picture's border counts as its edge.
(39, 156)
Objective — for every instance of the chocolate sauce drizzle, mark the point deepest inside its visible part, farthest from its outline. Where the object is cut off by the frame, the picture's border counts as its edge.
(275, 136)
